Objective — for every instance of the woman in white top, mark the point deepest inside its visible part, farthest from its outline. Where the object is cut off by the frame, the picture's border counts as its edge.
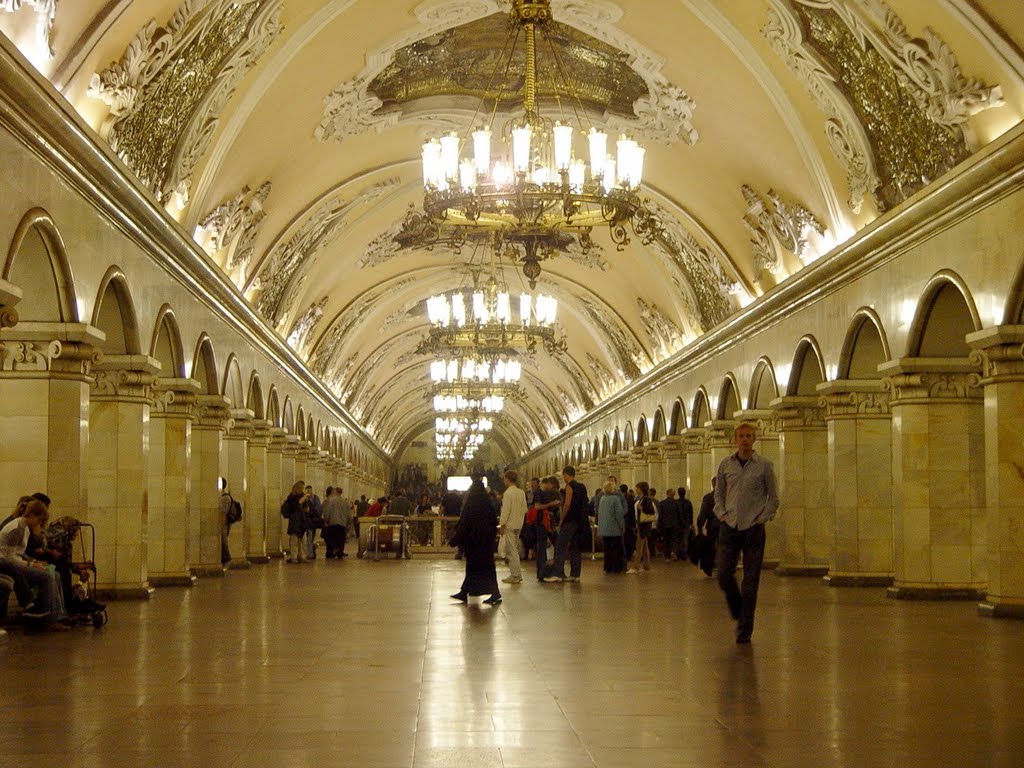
(48, 604)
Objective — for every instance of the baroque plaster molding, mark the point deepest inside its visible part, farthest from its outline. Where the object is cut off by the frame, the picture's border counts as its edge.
(664, 115)
(46, 13)
(607, 384)
(283, 270)
(304, 326)
(777, 227)
(914, 388)
(665, 336)
(131, 87)
(234, 225)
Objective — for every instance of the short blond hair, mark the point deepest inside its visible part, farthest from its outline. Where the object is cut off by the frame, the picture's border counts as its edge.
(744, 425)
(608, 487)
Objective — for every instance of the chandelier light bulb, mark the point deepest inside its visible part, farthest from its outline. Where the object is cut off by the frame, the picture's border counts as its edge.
(521, 137)
(450, 155)
(431, 163)
(480, 310)
(482, 150)
(502, 175)
(577, 176)
(525, 300)
(608, 177)
(563, 146)
(467, 175)
(503, 308)
(458, 310)
(598, 141)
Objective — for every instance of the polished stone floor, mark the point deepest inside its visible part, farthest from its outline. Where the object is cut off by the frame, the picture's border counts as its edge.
(369, 664)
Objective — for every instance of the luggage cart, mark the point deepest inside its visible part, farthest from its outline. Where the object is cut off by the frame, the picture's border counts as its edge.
(388, 533)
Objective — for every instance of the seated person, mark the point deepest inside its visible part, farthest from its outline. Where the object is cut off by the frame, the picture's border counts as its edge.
(41, 581)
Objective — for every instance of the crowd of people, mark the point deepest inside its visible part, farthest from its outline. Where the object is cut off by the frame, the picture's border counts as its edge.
(555, 519)
(36, 566)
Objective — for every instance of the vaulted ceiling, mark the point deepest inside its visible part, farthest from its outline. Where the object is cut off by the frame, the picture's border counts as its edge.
(286, 133)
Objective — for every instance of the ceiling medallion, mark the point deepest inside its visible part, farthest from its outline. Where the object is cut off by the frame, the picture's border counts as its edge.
(534, 192)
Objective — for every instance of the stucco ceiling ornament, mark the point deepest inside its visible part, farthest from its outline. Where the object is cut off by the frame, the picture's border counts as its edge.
(304, 326)
(897, 106)
(632, 360)
(284, 268)
(46, 12)
(606, 380)
(702, 273)
(777, 227)
(586, 394)
(666, 337)
(234, 225)
(168, 89)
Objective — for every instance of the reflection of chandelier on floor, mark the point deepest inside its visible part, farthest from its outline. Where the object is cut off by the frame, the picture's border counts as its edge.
(539, 194)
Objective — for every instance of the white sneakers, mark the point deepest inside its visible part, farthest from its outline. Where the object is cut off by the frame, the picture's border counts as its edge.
(511, 580)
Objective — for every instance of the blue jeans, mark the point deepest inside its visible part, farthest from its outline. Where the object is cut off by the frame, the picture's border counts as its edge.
(311, 543)
(568, 545)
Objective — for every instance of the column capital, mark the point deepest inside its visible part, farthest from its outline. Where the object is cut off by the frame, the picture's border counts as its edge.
(10, 294)
(797, 412)
(917, 380)
(762, 418)
(999, 352)
(37, 348)
(278, 440)
(241, 424)
(212, 412)
(260, 433)
(695, 439)
(672, 447)
(719, 432)
(174, 398)
(125, 378)
(854, 399)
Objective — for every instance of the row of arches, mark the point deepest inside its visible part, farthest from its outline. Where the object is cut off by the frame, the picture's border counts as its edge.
(945, 315)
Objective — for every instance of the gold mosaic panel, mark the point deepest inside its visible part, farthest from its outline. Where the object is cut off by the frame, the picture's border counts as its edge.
(910, 149)
(147, 138)
(462, 61)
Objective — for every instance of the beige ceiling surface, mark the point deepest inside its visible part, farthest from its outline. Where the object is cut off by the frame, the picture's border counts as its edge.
(734, 100)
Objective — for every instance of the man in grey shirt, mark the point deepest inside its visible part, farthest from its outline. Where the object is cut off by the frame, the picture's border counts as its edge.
(745, 499)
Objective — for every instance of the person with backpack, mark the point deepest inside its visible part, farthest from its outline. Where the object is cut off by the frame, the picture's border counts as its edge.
(295, 512)
(572, 525)
(230, 513)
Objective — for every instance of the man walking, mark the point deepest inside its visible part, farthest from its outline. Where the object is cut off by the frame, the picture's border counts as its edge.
(669, 523)
(573, 518)
(510, 525)
(745, 499)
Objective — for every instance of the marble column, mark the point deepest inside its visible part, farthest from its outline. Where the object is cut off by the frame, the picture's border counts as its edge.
(44, 409)
(720, 443)
(938, 448)
(208, 466)
(626, 471)
(1001, 353)
(641, 470)
(675, 466)
(257, 514)
(236, 470)
(276, 492)
(860, 482)
(301, 452)
(698, 457)
(657, 473)
(170, 481)
(805, 514)
(119, 403)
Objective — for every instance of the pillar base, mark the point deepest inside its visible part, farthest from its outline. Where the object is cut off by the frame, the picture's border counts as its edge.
(276, 555)
(997, 609)
(935, 593)
(816, 571)
(770, 565)
(124, 593)
(208, 570)
(238, 564)
(834, 579)
(258, 559)
(183, 580)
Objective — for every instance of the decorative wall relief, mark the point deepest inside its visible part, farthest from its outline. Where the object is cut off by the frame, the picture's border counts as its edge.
(304, 326)
(167, 91)
(454, 50)
(897, 106)
(666, 337)
(234, 225)
(283, 269)
(632, 360)
(777, 227)
(46, 12)
(606, 380)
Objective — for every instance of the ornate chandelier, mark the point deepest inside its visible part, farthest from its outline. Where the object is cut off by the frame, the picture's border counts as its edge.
(532, 190)
(474, 369)
(479, 323)
(463, 425)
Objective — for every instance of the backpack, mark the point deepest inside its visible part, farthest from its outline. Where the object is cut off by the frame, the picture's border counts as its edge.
(235, 513)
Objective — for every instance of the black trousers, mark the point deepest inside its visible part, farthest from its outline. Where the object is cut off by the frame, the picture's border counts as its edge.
(614, 555)
(334, 536)
(742, 600)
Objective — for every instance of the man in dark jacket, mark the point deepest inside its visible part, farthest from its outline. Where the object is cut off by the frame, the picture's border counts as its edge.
(707, 527)
(669, 523)
(686, 529)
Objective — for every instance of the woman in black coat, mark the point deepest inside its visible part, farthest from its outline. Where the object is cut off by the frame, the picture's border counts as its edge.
(476, 533)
